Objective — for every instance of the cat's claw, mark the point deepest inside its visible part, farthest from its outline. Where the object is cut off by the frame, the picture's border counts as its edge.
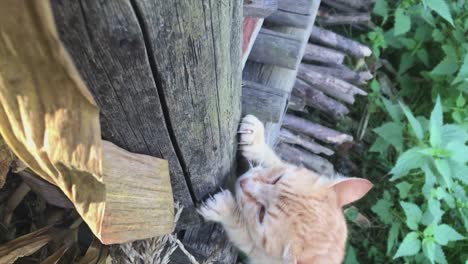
(218, 207)
(252, 138)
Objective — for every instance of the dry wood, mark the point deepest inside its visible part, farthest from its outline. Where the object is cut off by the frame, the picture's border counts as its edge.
(303, 7)
(342, 72)
(318, 100)
(330, 85)
(330, 38)
(277, 49)
(264, 102)
(250, 28)
(287, 19)
(322, 54)
(259, 8)
(296, 102)
(357, 4)
(46, 190)
(327, 19)
(97, 253)
(278, 77)
(301, 157)
(316, 131)
(339, 6)
(29, 243)
(54, 129)
(57, 255)
(306, 142)
(15, 199)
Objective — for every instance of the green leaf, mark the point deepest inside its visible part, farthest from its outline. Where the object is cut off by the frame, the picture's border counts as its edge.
(454, 133)
(436, 124)
(443, 167)
(391, 132)
(392, 236)
(380, 145)
(413, 215)
(351, 257)
(441, 8)
(393, 110)
(406, 62)
(439, 255)
(351, 213)
(446, 67)
(403, 188)
(423, 56)
(429, 180)
(460, 100)
(383, 210)
(458, 152)
(459, 171)
(402, 22)
(428, 246)
(415, 125)
(463, 72)
(445, 233)
(434, 209)
(410, 246)
(407, 161)
(381, 9)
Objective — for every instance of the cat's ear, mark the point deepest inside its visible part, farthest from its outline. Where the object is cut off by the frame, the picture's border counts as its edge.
(349, 190)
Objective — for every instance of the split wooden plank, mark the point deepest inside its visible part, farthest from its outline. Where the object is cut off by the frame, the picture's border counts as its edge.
(327, 19)
(330, 38)
(316, 131)
(316, 53)
(306, 142)
(296, 6)
(330, 85)
(266, 103)
(277, 49)
(301, 157)
(318, 100)
(259, 8)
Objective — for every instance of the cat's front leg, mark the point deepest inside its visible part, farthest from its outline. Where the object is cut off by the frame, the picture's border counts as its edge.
(252, 143)
(222, 208)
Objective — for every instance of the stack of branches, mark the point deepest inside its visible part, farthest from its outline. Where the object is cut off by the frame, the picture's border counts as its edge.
(329, 77)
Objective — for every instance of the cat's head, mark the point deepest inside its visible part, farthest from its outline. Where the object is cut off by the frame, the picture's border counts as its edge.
(288, 208)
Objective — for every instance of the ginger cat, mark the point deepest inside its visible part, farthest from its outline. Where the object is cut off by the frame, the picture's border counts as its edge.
(283, 213)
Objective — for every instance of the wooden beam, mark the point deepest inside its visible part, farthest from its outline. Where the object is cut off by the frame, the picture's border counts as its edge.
(303, 7)
(250, 28)
(287, 19)
(331, 39)
(259, 8)
(264, 102)
(277, 49)
(318, 53)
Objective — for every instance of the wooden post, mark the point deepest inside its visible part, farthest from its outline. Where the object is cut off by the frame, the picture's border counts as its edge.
(259, 8)
(167, 78)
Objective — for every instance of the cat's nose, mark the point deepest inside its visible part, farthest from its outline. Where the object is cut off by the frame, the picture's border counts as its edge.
(242, 183)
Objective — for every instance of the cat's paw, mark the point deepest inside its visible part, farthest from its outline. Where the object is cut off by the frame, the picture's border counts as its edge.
(219, 207)
(252, 138)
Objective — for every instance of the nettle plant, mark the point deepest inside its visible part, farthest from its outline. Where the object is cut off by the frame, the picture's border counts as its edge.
(428, 215)
(428, 40)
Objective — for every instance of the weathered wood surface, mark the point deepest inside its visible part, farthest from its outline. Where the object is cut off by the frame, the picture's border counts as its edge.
(301, 157)
(342, 72)
(166, 76)
(327, 19)
(277, 49)
(316, 131)
(306, 142)
(264, 102)
(318, 100)
(259, 8)
(330, 38)
(321, 54)
(289, 19)
(278, 77)
(330, 85)
(296, 6)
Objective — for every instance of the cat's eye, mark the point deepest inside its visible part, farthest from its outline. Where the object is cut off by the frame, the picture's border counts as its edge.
(277, 180)
(261, 214)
